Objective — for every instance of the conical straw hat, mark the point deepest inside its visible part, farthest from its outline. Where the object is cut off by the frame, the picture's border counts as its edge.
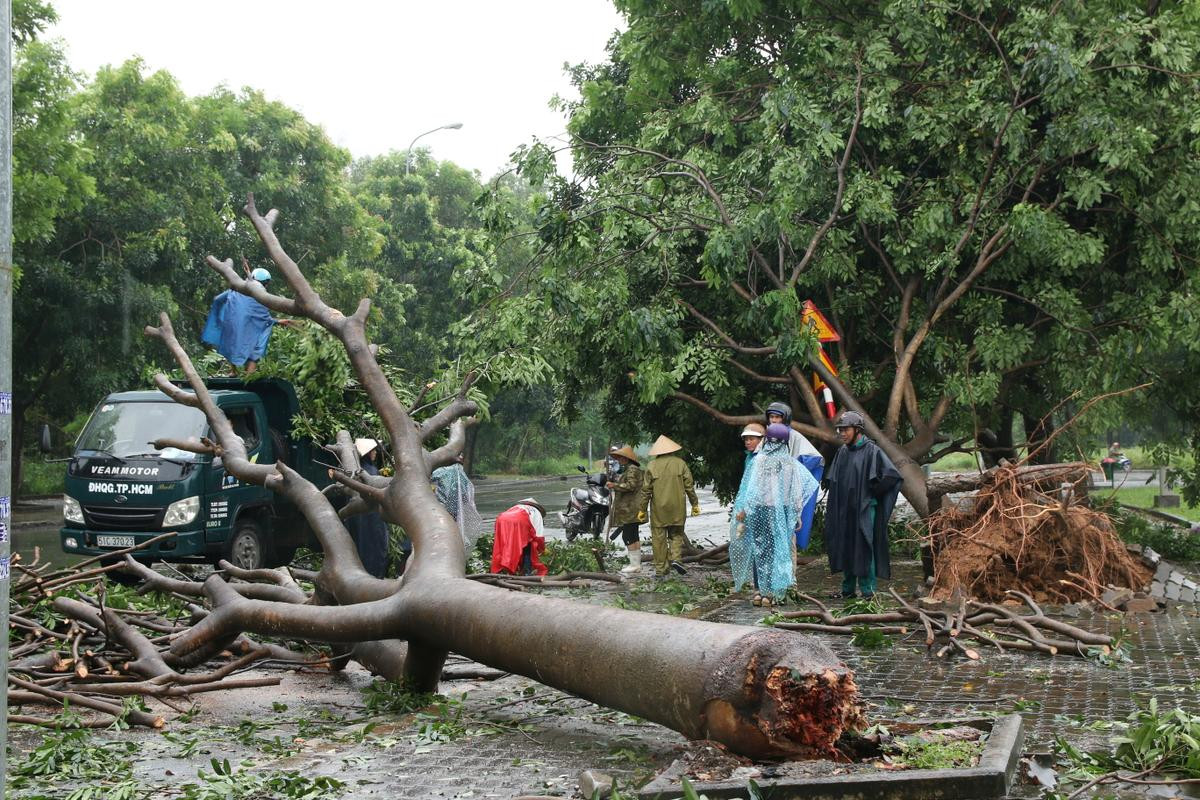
(529, 501)
(627, 451)
(663, 445)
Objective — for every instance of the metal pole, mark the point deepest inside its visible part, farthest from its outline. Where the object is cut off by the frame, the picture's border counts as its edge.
(453, 126)
(6, 403)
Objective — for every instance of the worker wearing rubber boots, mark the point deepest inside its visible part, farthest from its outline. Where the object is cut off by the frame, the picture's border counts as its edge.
(665, 484)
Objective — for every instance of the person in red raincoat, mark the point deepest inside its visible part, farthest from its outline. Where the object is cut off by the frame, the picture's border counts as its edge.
(519, 539)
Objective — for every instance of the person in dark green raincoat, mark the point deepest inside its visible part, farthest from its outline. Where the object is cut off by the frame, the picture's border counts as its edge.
(863, 486)
(666, 483)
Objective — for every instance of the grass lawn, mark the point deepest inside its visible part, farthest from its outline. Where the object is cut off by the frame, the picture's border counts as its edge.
(1143, 497)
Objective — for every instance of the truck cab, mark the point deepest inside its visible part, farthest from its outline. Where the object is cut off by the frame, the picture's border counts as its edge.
(121, 490)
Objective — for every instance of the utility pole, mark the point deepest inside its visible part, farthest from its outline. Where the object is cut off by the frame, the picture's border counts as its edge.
(6, 315)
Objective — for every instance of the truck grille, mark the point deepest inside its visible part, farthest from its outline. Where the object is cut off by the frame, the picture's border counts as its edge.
(120, 518)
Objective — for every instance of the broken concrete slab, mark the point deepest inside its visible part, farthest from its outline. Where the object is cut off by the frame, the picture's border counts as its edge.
(1116, 597)
(1141, 605)
(990, 778)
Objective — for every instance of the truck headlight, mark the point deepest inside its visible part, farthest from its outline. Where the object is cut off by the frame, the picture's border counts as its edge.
(72, 512)
(181, 512)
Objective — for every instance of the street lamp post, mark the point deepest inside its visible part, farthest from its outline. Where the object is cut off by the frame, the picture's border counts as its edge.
(408, 153)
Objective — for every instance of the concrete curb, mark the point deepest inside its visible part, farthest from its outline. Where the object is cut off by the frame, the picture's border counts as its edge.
(991, 778)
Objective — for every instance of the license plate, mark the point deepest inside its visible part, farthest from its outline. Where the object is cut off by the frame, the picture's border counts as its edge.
(114, 541)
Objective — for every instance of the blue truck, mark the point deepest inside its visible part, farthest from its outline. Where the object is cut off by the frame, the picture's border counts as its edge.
(121, 490)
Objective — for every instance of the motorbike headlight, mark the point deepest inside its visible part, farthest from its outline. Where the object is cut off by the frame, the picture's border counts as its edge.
(72, 511)
(181, 512)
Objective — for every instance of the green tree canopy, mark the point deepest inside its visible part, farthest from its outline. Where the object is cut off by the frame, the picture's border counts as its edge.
(123, 187)
(988, 199)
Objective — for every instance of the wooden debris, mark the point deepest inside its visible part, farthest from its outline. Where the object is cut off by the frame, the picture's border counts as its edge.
(990, 624)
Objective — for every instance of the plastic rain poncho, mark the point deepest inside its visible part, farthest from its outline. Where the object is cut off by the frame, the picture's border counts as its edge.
(239, 327)
(456, 492)
(775, 488)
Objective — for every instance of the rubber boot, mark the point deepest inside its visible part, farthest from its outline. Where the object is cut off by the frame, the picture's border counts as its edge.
(635, 560)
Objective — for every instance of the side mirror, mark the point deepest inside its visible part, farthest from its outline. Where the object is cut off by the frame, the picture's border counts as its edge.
(583, 470)
(44, 438)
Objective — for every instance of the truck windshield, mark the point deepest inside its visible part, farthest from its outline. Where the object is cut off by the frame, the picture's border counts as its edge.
(127, 429)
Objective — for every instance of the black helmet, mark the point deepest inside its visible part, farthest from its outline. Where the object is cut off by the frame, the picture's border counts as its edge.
(850, 419)
(782, 409)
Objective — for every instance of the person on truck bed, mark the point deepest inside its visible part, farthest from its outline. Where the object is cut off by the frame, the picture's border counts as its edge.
(239, 327)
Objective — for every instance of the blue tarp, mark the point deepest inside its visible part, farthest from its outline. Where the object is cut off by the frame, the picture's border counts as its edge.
(239, 327)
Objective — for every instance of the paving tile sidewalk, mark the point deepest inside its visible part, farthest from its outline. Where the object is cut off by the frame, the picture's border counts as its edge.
(524, 738)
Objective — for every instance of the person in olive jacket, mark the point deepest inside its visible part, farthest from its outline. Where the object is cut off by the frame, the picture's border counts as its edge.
(626, 487)
(665, 483)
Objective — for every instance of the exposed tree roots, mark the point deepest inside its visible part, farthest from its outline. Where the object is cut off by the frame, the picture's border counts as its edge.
(1020, 534)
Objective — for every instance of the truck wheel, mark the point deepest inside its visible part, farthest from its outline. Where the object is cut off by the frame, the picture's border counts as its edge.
(248, 547)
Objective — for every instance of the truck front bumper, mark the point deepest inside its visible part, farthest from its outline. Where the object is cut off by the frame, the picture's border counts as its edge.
(184, 545)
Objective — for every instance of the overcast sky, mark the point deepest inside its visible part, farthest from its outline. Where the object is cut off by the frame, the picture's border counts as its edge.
(373, 74)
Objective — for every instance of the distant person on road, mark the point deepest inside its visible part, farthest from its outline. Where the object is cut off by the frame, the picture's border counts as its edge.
(520, 539)
(775, 488)
(863, 487)
(368, 530)
(239, 327)
(626, 487)
(665, 484)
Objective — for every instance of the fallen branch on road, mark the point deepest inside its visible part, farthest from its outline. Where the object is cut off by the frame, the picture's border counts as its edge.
(986, 623)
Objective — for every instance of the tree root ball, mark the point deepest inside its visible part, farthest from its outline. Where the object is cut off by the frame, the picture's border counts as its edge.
(1016, 537)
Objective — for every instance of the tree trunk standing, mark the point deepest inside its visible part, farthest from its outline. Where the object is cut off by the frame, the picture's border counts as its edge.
(469, 450)
(1037, 430)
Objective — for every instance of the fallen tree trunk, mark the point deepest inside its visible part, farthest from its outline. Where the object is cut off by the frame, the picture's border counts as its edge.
(1043, 477)
(759, 692)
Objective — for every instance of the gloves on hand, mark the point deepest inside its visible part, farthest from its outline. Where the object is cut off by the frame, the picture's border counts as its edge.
(641, 516)
(695, 511)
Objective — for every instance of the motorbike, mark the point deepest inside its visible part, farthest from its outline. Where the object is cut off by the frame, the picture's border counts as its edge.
(1120, 462)
(587, 507)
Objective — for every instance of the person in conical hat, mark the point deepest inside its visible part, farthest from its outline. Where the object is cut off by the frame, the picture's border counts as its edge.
(663, 445)
(626, 487)
(665, 484)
